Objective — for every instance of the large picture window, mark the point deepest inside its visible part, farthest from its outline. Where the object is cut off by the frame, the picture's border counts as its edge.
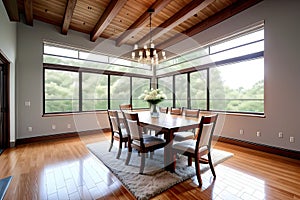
(166, 85)
(181, 90)
(139, 85)
(198, 89)
(226, 76)
(94, 91)
(61, 91)
(229, 78)
(119, 91)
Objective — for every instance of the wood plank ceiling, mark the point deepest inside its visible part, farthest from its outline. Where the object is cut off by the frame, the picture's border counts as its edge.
(127, 21)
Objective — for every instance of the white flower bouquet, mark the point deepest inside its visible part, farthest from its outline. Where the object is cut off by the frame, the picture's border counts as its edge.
(154, 96)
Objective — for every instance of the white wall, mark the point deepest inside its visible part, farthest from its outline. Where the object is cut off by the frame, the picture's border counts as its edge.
(281, 76)
(8, 47)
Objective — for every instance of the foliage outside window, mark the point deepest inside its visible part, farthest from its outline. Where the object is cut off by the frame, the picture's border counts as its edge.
(61, 91)
(119, 91)
(166, 85)
(230, 78)
(181, 90)
(139, 85)
(225, 76)
(94, 91)
(198, 89)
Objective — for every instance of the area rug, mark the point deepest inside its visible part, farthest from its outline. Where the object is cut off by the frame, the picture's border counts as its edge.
(4, 183)
(155, 179)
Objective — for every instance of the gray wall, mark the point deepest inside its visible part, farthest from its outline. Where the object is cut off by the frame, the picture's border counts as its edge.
(8, 47)
(281, 76)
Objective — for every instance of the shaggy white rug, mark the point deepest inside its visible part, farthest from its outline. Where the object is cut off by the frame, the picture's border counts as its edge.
(155, 179)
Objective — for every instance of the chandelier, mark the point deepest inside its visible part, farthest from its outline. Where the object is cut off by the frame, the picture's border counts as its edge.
(148, 54)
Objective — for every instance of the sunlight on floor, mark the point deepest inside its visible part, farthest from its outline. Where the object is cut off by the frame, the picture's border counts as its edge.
(234, 184)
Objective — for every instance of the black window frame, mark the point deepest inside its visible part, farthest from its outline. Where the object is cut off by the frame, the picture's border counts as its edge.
(81, 70)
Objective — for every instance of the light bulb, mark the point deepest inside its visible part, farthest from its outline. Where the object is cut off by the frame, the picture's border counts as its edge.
(151, 45)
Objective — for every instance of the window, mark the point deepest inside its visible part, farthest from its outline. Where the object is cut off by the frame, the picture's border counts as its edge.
(61, 91)
(139, 85)
(94, 91)
(198, 89)
(224, 76)
(166, 85)
(74, 81)
(119, 91)
(229, 78)
(181, 90)
(238, 87)
(72, 91)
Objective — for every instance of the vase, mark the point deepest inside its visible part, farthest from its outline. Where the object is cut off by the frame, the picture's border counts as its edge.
(154, 110)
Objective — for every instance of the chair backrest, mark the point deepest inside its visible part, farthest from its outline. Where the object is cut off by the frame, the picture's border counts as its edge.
(125, 107)
(132, 125)
(205, 131)
(176, 111)
(192, 112)
(163, 109)
(114, 121)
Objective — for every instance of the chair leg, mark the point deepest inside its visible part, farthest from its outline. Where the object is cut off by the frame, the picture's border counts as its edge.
(119, 150)
(197, 166)
(128, 155)
(190, 160)
(211, 165)
(111, 143)
(142, 163)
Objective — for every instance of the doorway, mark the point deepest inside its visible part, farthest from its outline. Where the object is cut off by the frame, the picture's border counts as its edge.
(4, 103)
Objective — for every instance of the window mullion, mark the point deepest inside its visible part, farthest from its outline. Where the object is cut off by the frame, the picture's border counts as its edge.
(80, 92)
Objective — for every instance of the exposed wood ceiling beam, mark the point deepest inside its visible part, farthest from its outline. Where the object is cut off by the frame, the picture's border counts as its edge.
(110, 12)
(228, 12)
(141, 21)
(68, 16)
(11, 7)
(182, 15)
(28, 12)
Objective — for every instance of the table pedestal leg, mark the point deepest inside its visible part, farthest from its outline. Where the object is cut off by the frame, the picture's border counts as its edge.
(169, 157)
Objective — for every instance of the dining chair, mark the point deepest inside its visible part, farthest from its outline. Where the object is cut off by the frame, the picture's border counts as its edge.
(117, 132)
(186, 135)
(138, 141)
(201, 146)
(176, 111)
(163, 109)
(127, 107)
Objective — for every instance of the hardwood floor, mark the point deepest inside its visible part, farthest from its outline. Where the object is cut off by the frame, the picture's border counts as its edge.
(64, 169)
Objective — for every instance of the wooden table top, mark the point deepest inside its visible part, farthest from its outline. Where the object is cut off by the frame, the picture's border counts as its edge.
(168, 121)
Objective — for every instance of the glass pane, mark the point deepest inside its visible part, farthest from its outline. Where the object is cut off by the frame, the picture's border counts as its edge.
(92, 56)
(166, 85)
(139, 85)
(240, 51)
(140, 69)
(181, 90)
(255, 36)
(53, 50)
(94, 92)
(195, 54)
(198, 87)
(61, 91)
(119, 91)
(238, 87)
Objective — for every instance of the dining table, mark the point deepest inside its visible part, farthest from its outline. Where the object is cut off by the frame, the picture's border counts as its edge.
(167, 125)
